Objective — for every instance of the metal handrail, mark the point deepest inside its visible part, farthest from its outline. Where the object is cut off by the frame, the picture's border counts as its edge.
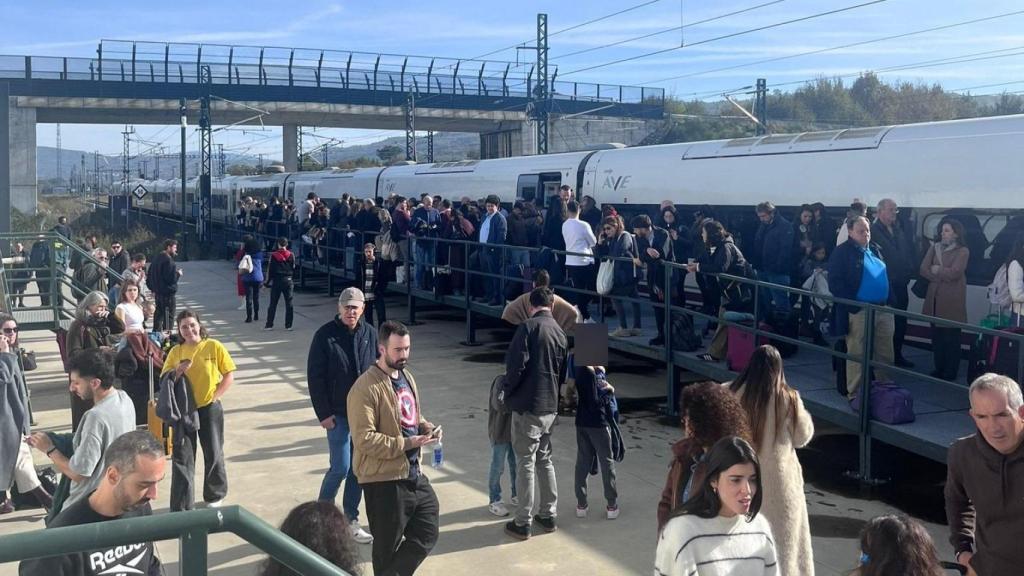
(191, 528)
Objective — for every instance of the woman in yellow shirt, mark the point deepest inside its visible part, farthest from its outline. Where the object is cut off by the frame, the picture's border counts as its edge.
(211, 372)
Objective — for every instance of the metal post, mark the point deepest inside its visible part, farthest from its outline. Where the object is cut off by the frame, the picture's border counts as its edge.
(672, 404)
(541, 107)
(194, 550)
(298, 146)
(761, 106)
(126, 172)
(864, 432)
(466, 289)
(183, 108)
(430, 146)
(410, 127)
(205, 160)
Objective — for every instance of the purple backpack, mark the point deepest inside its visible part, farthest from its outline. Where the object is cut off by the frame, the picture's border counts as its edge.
(890, 403)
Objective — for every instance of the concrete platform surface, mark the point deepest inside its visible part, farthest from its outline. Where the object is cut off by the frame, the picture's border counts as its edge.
(277, 453)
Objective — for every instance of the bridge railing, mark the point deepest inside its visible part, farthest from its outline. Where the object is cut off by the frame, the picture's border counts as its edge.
(147, 62)
(192, 530)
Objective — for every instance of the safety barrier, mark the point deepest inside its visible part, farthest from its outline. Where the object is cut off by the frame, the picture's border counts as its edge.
(192, 530)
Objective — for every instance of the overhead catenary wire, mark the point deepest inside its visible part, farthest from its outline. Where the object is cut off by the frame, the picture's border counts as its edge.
(666, 30)
(833, 48)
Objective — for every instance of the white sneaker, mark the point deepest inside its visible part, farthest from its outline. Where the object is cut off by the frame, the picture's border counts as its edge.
(498, 509)
(621, 333)
(289, 329)
(215, 503)
(268, 328)
(358, 534)
(241, 307)
(582, 512)
(590, 321)
(613, 512)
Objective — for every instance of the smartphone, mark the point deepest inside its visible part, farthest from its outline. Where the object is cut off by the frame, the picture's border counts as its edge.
(435, 432)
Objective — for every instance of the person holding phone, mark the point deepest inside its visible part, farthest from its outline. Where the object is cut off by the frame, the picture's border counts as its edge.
(210, 372)
(389, 430)
(93, 327)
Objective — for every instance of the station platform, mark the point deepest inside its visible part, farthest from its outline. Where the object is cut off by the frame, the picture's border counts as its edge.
(277, 453)
(942, 411)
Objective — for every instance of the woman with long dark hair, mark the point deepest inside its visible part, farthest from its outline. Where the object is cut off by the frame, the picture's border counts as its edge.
(615, 242)
(322, 528)
(896, 545)
(252, 278)
(551, 238)
(779, 425)
(708, 412)
(722, 256)
(718, 531)
(945, 268)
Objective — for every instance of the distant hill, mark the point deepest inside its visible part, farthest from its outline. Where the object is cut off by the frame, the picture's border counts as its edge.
(447, 146)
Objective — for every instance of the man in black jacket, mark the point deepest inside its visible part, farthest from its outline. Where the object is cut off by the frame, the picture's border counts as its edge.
(341, 350)
(655, 247)
(162, 280)
(282, 268)
(901, 262)
(772, 257)
(533, 368)
(134, 467)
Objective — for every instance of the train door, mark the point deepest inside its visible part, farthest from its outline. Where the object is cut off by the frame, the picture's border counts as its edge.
(290, 194)
(537, 187)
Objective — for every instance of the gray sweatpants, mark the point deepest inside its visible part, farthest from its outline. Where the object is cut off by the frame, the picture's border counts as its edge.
(531, 441)
(591, 444)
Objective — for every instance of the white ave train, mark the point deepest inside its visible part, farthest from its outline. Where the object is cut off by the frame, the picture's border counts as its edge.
(968, 169)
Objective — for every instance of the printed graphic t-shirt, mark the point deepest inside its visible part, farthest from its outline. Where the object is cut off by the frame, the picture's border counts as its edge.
(409, 420)
(121, 560)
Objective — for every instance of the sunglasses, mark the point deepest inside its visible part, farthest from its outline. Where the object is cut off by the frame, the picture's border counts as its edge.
(10, 330)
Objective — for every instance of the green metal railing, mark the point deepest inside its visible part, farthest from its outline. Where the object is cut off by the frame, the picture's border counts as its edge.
(192, 530)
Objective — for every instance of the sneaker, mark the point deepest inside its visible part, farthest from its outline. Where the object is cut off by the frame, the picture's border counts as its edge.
(613, 512)
(498, 509)
(215, 503)
(581, 511)
(241, 307)
(268, 328)
(516, 531)
(289, 329)
(548, 524)
(621, 333)
(359, 534)
(590, 321)
(7, 507)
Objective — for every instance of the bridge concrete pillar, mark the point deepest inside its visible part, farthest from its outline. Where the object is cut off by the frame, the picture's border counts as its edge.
(22, 139)
(528, 137)
(290, 147)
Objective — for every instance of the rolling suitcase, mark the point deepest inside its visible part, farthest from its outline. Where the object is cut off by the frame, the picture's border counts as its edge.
(740, 346)
(156, 425)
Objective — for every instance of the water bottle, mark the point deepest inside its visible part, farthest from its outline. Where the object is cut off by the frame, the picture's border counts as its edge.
(438, 454)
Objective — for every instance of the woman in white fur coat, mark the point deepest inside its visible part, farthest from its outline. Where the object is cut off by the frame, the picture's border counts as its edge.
(779, 424)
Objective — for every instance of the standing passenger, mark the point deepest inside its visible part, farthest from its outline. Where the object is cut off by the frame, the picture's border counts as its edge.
(279, 278)
(341, 350)
(162, 279)
(253, 280)
(372, 277)
(944, 266)
(898, 249)
(533, 368)
(594, 438)
(499, 432)
(780, 425)
(579, 261)
(211, 372)
(493, 231)
(655, 248)
(389, 430)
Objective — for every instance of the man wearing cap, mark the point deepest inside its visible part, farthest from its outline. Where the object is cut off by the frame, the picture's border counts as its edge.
(341, 350)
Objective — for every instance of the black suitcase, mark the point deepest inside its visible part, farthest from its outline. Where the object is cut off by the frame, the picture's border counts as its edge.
(1003, 353)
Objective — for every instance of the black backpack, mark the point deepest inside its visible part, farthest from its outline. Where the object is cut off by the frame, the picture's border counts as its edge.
(684, 336)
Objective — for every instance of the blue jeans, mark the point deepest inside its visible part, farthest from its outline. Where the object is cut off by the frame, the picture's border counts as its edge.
(423, 260)
(490, 262)
(519, 257)
(500, 453)
(778, 297)
(339, 440)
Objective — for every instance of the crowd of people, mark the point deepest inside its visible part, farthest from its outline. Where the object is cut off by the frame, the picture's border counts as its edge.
(733, 501)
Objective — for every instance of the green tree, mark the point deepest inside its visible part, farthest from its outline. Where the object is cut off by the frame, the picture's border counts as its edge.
(390, 153)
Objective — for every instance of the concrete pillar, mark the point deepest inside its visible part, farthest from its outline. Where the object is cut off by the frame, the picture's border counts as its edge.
(5, 159)
(528, 138)
(290, 147)
(22, 138)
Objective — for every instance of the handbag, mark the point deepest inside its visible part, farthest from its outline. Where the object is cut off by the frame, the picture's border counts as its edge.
(387, 247)
(245, 265)
(28, 361)
(606, 277)
(920, 287)
(890, 403)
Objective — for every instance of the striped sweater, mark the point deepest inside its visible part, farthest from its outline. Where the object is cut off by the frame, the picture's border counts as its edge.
(694, 546)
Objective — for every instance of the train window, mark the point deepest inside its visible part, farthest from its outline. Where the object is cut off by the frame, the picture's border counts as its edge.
(551, 181)
(526, 188)
(291, 191)
(219, 201)
(989, 237)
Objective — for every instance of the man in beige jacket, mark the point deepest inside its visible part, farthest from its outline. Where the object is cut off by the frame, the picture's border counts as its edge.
(388, 431)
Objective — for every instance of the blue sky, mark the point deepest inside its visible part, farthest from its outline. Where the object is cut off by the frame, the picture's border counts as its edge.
(468, 29)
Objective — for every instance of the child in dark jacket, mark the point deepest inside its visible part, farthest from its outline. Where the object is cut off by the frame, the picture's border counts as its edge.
(594, 438)
(499, 432)
(279, 279)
